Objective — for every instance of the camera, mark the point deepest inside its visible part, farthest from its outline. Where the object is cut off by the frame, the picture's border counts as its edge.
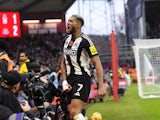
(37, 90)
(41, 92)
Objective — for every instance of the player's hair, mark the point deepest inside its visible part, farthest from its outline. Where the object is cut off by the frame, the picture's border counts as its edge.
(79, 18)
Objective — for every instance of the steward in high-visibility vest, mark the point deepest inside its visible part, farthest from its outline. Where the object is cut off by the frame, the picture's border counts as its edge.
(24, 63)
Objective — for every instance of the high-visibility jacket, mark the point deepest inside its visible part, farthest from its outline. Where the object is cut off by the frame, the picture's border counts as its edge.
(23, 67)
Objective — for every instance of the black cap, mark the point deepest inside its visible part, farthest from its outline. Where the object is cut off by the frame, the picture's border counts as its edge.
(11, 77)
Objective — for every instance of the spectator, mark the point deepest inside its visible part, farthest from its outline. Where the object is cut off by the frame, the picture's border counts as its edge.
(5, 61)
(24, 60)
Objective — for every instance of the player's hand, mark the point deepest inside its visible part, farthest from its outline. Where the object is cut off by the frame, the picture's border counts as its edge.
(66, 87)
(102, 92)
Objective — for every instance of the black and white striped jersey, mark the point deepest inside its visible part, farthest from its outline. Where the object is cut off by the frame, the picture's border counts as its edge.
(77, 54)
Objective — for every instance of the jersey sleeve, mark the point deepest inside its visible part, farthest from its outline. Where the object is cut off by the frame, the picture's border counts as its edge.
(90, 48)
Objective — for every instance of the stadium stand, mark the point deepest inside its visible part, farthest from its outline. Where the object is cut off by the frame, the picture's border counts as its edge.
(44, 48)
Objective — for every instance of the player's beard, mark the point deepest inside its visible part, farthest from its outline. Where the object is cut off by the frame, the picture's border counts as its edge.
(71, 31)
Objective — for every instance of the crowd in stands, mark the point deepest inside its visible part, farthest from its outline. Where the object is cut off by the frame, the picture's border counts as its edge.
(43, 48)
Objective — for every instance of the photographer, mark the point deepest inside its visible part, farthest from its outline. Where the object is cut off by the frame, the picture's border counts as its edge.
(39, 89)
(9, 105)
(8, 90)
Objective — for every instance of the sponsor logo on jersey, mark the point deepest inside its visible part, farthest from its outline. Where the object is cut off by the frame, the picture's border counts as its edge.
(77, 94)
(75, 44)
(93, 50)
(70, 52)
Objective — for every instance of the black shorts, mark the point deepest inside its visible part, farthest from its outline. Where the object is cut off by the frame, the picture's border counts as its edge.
(80, 87)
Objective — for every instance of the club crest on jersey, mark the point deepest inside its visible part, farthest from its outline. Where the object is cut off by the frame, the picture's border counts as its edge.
(70, 52)
(70, 43)
(93, 50)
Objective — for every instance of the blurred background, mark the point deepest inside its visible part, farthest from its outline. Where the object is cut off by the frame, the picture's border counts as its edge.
(40, 25)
